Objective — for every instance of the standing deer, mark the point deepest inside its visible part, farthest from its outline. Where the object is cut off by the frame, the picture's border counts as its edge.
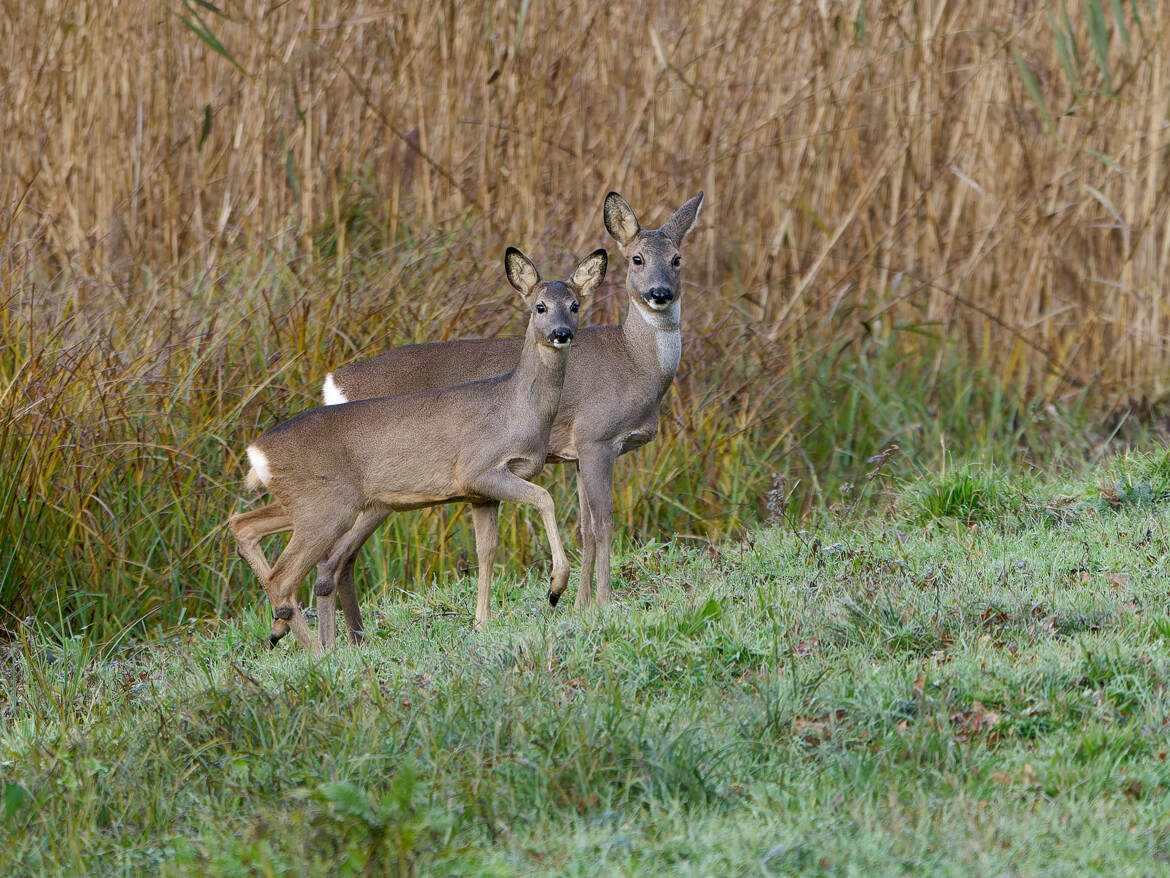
(614, 387)
(477, 442)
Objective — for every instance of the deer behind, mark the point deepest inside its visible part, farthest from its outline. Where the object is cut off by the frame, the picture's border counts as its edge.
(614, 386)
(477, 442)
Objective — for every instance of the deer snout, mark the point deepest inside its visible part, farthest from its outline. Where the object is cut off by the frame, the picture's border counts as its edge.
(561, 338)
(659, 297)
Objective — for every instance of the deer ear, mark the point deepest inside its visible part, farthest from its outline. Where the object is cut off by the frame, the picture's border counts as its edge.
(620, 221)
(522, 274)
(679, 226)
(591, 272)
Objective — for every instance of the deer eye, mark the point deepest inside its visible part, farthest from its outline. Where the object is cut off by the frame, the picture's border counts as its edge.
(574, 307)
(636, 259)
(676, 262)
(541, 307)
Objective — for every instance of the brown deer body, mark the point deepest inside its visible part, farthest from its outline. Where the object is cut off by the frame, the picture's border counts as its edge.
(477, 442)
(616, 379)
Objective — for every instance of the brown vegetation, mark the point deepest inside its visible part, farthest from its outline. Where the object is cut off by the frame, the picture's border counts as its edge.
(857, 160)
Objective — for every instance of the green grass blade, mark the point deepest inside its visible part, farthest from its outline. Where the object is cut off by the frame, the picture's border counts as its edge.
(200, 29)
(520, 19)
(1137, 18)
(1119, 17)
(1033, 88)
(1063, 51)
(210, 7)
(1072, 38)
(1099, 36)
(290, 171)
(1108, 161)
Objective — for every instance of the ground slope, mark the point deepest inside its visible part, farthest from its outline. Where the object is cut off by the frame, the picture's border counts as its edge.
(972, 682)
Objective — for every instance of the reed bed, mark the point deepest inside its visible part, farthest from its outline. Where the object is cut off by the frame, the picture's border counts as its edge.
(942, 225)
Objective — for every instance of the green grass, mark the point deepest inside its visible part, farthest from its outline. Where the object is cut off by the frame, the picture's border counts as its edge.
(904, 691)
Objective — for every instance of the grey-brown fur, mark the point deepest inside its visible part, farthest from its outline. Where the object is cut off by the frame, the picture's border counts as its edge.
(331, 468)
(614, 385)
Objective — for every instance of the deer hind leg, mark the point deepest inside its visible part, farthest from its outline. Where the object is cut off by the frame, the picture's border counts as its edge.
(347, 591)
(335, 574)
(249, 528)
(507, 487)
(588, 546)
(596, 473)
(485, 516)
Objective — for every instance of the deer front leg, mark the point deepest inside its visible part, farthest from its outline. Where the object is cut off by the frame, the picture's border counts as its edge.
(595, 473)
(506, 487)
(485, 516)
(588, 546)
(335, 573)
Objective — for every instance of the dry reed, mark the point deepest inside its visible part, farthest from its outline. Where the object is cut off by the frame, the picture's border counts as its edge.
(884, 161)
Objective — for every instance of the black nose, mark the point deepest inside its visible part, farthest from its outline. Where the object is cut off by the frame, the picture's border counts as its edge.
(660, 295)
(561, 336)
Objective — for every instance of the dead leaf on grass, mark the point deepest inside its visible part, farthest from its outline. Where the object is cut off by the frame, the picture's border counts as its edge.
(976, 721)
(1026, 778)
(807, 647)
(817, 730)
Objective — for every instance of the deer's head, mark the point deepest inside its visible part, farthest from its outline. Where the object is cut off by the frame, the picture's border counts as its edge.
(553, 305)
(655, 255)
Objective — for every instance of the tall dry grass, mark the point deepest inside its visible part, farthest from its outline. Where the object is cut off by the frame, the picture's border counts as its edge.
(880, 160)
(912, 210)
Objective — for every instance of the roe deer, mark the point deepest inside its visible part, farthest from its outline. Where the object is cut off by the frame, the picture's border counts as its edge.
(614, 387)
(477, 442)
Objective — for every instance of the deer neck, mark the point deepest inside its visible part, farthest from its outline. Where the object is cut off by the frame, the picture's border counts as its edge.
(538, 377)
(655, 337)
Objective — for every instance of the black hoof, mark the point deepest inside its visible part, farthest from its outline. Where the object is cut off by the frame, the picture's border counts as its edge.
(322, 588)
(553, 598)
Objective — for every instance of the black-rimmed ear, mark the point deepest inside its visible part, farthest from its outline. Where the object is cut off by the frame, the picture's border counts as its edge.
(522, 274)
(620, 220)
(679, 226)
(591, 272)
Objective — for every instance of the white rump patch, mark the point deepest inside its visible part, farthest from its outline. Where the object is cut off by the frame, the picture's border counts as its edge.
(259, 461)
(331, 393)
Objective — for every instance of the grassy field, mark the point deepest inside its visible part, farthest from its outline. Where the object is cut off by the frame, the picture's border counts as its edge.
(939, 225)
(972, 681)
